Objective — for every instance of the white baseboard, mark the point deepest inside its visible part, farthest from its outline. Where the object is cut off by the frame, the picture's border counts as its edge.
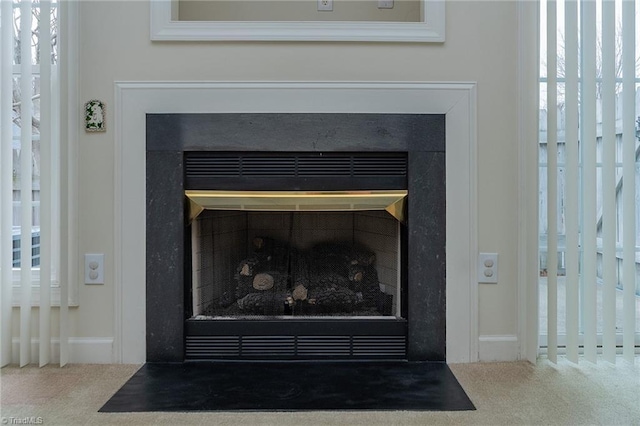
(82, 350)
(493, 348)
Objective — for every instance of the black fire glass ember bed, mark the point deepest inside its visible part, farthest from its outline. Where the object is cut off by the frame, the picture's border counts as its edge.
(302, 237)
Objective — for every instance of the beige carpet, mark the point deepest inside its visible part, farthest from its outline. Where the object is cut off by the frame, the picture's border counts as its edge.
(504, 394)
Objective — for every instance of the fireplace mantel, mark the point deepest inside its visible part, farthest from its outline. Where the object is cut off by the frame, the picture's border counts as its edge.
(457, 101)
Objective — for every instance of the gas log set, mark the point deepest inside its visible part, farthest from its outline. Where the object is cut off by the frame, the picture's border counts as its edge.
(327, 279)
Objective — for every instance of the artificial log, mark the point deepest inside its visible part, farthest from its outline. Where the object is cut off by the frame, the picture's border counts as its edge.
(299, 267)
(300, 293)
(264, 303)
(328, 258)
(327, 265)
(339, 258)
(360, 256)
(280, 280)
(244, 286)
(356, 273)
(263, 281)
(246, 270)
(274, 255)
(367, 287)
(333, 299)
(227, 299)
(330, 279)
(250, 268)
(247, 267)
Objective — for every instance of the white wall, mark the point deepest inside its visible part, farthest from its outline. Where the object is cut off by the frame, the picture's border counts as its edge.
(480, 46)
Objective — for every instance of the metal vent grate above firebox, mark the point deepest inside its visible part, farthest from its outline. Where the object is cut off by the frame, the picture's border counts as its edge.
(295, 347)
(310, 170)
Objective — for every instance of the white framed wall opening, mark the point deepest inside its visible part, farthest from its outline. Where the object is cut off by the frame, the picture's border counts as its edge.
(589, 175)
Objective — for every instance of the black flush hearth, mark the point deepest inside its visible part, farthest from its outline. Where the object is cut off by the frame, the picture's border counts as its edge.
(415, 330)
(287, 386)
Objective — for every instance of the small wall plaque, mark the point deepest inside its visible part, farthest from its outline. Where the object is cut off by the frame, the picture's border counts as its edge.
(94, 116)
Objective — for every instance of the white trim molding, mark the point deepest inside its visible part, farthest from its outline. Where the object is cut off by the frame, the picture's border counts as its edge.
(495, 348)
(133, 100)
(528, 273)
(166, 27)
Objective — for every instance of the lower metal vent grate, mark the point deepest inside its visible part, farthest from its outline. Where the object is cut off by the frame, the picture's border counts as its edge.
(296, 347)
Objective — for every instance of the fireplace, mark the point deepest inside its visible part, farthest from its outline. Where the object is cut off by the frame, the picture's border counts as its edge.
(252, 265)
(289, 283)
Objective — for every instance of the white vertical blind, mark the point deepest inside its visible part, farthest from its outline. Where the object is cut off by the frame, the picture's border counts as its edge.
(6, 196)
(597, 96)
(589, 178)
(30, 147)
(629, 202)
(571, 167)
(608, 181)
(26, 175)
(68, 178)
(552, 178)
(46, 169)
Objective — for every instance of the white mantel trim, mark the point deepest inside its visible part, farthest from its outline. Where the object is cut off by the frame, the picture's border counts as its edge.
(134, 99)
(165, 27)
(528, 274)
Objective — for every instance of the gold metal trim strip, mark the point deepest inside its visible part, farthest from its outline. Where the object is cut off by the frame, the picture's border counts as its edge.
(394, 202)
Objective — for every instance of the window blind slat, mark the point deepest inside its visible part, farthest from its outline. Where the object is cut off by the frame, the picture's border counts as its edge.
(571, 195)
(628, 173)
(45, 184)
(55, 177)
(552, 183)
(6, 196)
(26, 173)
(67, 16)
(589, 181)
(608, 181)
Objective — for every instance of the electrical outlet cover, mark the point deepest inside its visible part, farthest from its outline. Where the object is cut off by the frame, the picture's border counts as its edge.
(325, 5)
(94, 268)
(488, 268)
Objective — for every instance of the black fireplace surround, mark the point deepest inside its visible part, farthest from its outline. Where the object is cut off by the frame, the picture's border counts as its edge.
(420, 136)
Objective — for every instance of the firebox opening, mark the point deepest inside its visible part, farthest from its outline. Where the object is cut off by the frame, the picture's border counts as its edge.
(250, 265)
